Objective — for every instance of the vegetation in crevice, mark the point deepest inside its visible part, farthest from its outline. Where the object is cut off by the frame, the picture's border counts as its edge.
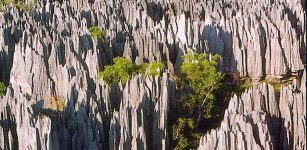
(239, 84)
(201, 93)
(123, 70)
(96, 32)
(277, 83)
(20, 4)
(198, 83)
(2, 89)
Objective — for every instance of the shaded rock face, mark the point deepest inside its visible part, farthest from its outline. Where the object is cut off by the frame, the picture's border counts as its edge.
(262, 118)
(47, 52)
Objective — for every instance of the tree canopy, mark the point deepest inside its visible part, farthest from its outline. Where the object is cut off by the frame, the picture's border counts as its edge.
(198, 81)
(202, 77)
(123, 70)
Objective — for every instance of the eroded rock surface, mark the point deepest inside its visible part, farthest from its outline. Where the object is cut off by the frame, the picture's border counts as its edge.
(47, 52)
(262, 118)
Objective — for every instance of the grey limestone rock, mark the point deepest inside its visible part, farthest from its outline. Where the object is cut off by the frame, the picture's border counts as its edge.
(47, 51)
(262, 118)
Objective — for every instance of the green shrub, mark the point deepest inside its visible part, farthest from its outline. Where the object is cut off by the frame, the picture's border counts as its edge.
(2, 89)
(142, 68)
(6, 2)
(20, 4)
(202, 77)
(242, 84)
(98, 33)
(154, 68)
(123, 70)
(276, 83)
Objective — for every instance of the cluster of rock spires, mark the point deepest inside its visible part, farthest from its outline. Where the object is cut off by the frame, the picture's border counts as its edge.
(47, 52)
(262, 118)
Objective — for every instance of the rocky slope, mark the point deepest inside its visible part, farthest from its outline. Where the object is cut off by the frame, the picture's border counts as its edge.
(262, 118)
(47, 52)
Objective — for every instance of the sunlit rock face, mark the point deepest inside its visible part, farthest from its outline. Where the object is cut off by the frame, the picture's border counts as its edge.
(47, 51)
(262, 118)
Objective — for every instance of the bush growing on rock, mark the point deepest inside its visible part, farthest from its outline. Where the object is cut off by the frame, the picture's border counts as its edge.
(20, 4)
(98, 33)
(123, 70)
(154, 68)
(2, 89)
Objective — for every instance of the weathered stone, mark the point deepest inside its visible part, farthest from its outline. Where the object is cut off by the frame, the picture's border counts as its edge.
(48, 52)
(262, 118)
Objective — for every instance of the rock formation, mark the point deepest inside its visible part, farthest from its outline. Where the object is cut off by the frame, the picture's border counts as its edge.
(47, 51)
(262, 118)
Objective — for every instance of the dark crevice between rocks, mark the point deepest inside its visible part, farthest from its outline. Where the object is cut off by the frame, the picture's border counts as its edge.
(69, 133)
(7, 56)
(118, 44)
(274, 127)
(8, 124)
(222, 101)
(155, 11)
(39, 146)
(115, 97)
(263, 47)
(173, 52)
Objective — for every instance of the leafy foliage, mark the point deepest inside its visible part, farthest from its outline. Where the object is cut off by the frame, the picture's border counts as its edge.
(95, 31)
(203, 78)
(20, 4)
(2, 89)
(123, 70)
(184, 134)
(198, 83)
(154, 68)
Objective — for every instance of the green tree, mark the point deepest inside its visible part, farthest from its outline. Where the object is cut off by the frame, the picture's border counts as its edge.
(203, 78)
(184, 134)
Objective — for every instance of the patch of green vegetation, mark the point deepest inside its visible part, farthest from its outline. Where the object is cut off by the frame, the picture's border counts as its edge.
(20, 4)
(276, 83)
(6, 2)
(183, 136)
(198, 82)
(2, 89)
(243, 84)
(238, 84)
(153, 69)
(97, 32)
(123, 70)
(202, 78)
